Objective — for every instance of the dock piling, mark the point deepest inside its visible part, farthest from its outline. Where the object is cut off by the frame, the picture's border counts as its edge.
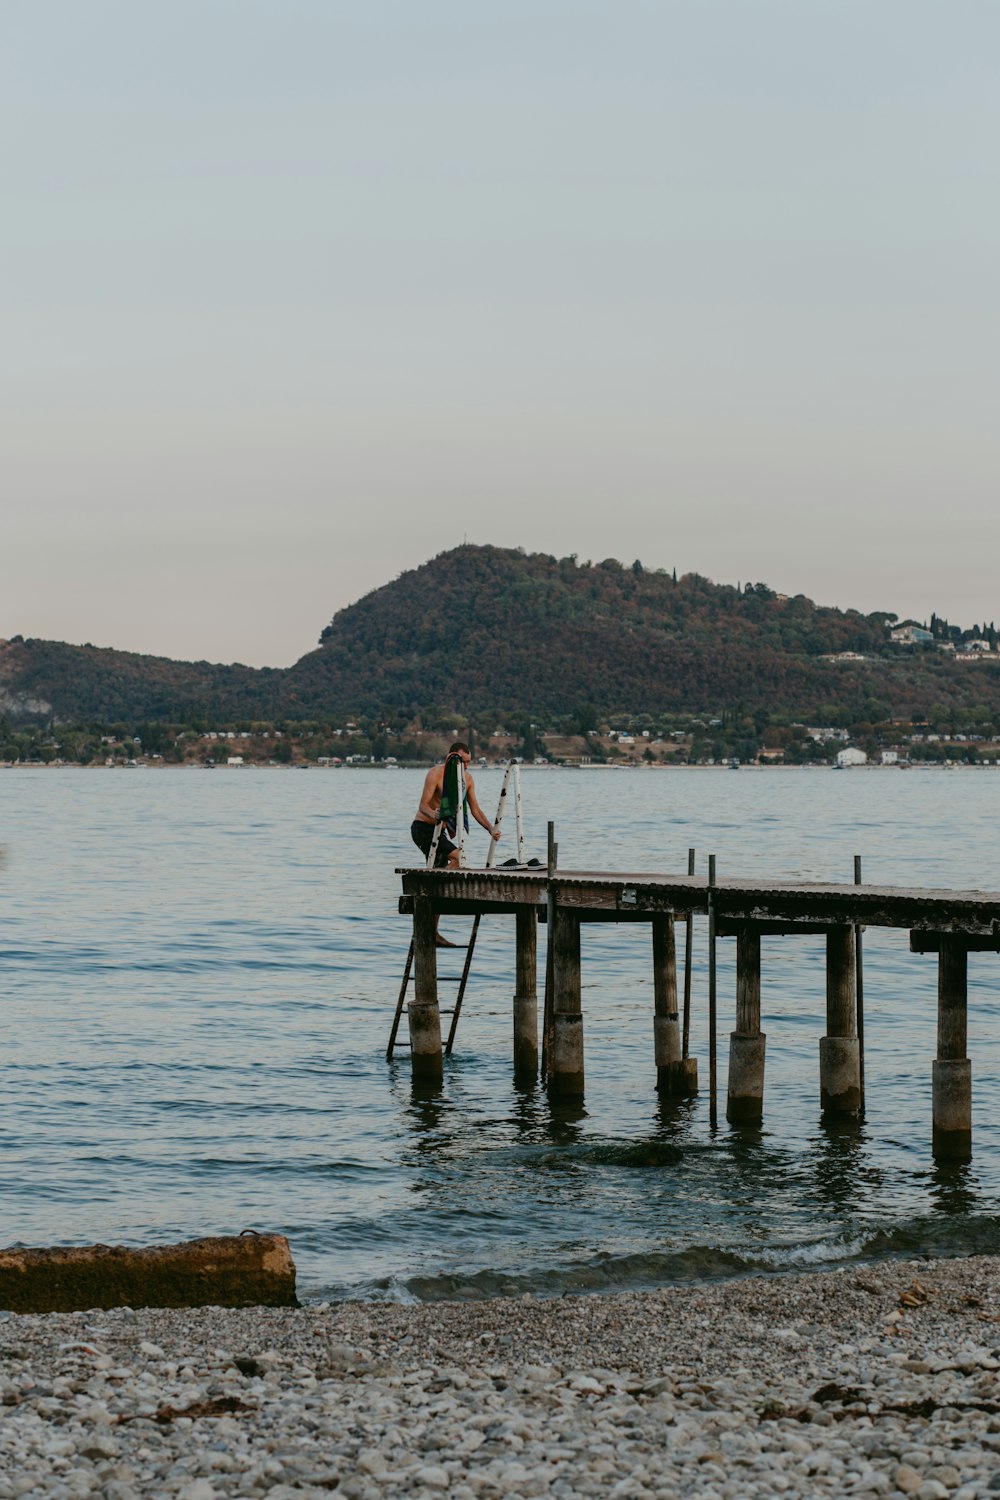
(859, 984)
(952, 1072)
(552, 856)
(745, 1097)
(688, 933)
(565, 1076)
(839, 1053)
(526, 995)
(713, 1097)
(675, 1074)
(423, 1013)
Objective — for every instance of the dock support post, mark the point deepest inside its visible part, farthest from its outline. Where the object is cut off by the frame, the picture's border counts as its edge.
(566, 1069)
(675, 1074)
(713, 1075)
(422, 1012)
(952, 1086)
(859, 985)
(745, 1097)
(686, 1026)
(550, 929)
(839, 1053)
(526, 995)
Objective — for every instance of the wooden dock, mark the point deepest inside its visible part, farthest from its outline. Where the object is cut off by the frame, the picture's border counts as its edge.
(950, 924)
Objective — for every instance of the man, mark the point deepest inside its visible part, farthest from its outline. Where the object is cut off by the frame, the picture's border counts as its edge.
(428, 813)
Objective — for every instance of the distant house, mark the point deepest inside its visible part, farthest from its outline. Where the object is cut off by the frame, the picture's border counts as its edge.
(910, 635)
(823, 734)
(851, 757)
(234, 760)
(890, 757)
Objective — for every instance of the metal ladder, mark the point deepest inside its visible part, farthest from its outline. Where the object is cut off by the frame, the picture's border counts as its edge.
(462, 979)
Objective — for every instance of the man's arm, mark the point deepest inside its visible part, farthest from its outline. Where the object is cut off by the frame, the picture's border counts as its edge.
(476, 810)
(428, 808)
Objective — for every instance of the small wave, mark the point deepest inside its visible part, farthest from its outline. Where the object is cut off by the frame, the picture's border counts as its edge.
(604, 1273)
(607, 1273)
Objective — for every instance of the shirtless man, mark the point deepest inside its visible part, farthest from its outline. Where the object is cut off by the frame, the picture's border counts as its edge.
(423, 825)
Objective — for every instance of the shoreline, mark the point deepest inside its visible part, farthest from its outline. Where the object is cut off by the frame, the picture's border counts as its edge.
(879, 1379)
(499, 765)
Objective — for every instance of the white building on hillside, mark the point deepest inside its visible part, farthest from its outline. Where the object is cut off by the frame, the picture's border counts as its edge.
(851, 757)
(911, 635)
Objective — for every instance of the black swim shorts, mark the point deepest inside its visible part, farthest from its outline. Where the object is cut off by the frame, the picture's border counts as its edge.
(422, 835)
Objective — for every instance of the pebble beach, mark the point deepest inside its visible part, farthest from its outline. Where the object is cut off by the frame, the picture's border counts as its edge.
(871, 1380)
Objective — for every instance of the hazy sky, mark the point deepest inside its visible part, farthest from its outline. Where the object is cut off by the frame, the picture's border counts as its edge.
(297, 293)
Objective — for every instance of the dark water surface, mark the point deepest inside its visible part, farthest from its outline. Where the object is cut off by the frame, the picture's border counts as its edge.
(198, 975)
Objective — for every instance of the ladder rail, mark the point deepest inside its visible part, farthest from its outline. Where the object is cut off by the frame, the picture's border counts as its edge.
(460, 817)
(519, 825)
(501, 806)
(461, 987)
(399, 1004)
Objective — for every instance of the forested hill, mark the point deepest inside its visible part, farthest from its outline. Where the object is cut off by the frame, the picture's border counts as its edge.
(92, 684)
(484, 631)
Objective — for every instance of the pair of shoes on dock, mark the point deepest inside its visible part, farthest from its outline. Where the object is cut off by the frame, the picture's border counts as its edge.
(512, 864)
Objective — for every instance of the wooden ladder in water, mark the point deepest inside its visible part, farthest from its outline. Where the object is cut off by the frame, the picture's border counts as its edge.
(462, 979)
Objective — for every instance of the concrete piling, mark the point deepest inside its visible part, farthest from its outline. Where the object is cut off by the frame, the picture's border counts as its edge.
(839, 1053)
(526, 995)
(675, 1074)
(565, 1076)
(952, 1071)
(423, 1013)
(745, 1095)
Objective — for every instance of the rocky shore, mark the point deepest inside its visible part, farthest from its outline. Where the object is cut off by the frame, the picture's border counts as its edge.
(880, 1380)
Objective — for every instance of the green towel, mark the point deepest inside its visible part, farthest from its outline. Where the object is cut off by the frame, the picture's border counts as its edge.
(448, 814)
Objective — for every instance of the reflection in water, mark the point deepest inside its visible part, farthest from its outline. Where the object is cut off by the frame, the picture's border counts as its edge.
(529, 1112)
(564, 1121)
(674, 1117)
(841, 1165)
(429, 1105)
(954, 1189)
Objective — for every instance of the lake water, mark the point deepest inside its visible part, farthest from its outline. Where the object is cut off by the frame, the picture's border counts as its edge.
(199, 971)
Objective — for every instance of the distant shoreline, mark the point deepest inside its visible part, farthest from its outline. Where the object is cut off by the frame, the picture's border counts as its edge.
(659, 767)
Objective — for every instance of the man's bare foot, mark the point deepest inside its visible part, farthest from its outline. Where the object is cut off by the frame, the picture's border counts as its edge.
(443, 942)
